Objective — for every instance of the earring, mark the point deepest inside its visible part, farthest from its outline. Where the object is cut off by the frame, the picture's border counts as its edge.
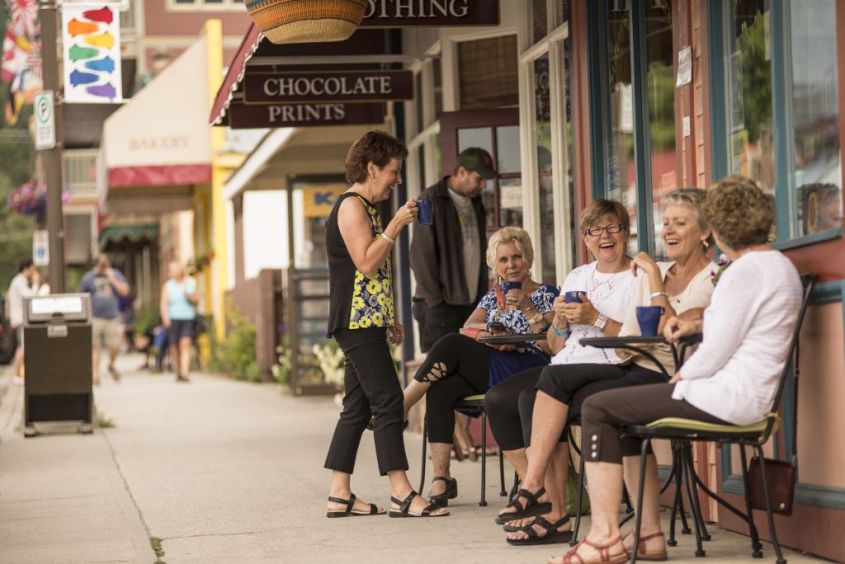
(705, 244)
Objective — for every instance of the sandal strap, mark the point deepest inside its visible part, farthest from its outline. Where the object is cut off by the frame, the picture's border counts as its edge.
(373, 509)
(406, 504)
(604, 548)
(349, 502)
(442, 479)
(651, 536)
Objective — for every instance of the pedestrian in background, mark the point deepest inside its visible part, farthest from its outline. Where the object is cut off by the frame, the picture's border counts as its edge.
(178, 313)
(446, 258)
(24, 284)
(105, 284)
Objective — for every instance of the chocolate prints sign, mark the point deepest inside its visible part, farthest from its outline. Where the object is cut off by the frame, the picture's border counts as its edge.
(242, 116)
(402, 13)
(330, 86)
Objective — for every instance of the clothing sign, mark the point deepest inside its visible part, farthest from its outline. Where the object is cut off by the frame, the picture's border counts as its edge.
(319, 199)
(402, 13)
(40, 248)
(329, 86)
(242, 116)
(91, 40)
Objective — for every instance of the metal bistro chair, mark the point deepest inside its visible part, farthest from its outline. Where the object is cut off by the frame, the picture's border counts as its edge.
(472, 404)
(754, 435)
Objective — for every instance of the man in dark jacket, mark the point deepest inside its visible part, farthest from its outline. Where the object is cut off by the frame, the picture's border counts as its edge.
(448, 257)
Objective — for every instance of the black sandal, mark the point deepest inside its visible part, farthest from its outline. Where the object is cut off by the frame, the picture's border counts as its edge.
(552, 534)
(442, 500)
(349, 512)
(531, 508)
(405, 506)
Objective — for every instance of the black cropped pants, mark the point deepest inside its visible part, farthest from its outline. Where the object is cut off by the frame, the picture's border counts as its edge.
(467, 369)
(371, 390)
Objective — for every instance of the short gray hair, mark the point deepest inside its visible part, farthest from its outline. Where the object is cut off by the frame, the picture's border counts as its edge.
(515, 235)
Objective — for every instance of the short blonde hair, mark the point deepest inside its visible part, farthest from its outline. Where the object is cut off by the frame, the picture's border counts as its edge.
(515, 235)
(597, 209)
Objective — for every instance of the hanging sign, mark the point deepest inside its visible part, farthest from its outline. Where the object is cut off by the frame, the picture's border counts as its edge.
(403, 13)
(319, 199)
(242, 116)
(329, 86)
(91, 42)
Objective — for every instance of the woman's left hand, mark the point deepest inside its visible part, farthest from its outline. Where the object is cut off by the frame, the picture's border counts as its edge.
(395, 334)
(644, 261)
(581, 313)
(515, 297)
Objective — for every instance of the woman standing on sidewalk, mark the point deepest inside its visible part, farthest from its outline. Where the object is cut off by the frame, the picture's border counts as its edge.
(179, 313)
(361, 320)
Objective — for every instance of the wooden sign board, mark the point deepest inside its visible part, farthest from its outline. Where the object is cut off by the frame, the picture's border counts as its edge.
(328, 86)
(406, 13)
(243, 116)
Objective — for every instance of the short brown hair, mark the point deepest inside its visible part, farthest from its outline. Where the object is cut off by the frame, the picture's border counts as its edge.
(515, 235)
(597, 209)
(376, 147)
(740, 212)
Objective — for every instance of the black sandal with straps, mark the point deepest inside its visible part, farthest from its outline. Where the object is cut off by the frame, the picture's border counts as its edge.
(552, 535)
(405, 506)
(442, 500)
(349, 511)
(531, 508)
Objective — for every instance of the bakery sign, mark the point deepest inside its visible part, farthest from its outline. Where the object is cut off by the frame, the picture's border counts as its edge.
(243, 116)
(403, 13)
(328, 86)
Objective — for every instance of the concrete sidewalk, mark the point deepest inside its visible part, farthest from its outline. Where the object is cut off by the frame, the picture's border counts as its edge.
(225, 471)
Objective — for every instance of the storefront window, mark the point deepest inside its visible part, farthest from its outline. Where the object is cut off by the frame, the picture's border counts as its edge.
(489, 76)
(817, 173)
(561, 15)
(539, 17)
(620, 172)
(661, 109)
(749, 100)
(438, 87)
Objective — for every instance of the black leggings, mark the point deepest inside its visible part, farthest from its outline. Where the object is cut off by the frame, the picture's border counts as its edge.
(371, 388)
(466, 368)
(504, 405)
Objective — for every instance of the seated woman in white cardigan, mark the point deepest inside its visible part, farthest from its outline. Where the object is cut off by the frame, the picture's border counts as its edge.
(731, 378)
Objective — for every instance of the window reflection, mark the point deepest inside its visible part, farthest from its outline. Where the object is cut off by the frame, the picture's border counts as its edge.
(815, 116)
(543, 128)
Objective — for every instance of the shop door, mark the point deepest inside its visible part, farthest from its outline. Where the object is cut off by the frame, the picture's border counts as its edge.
(496, 131)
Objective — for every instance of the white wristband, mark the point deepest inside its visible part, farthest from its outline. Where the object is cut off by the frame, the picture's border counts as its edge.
(658, 294)
(388, 239)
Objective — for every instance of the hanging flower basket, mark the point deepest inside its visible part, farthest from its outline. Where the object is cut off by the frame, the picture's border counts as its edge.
(306, 21)
(31, 199)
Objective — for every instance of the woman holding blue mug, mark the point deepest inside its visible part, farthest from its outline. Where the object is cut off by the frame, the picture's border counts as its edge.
(458, 365)
(681, 286)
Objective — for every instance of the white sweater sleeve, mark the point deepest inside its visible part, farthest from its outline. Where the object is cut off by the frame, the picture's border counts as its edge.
(727, 320)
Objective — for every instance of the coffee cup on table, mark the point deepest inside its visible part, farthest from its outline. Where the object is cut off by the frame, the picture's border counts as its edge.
(649, 319)
(424, 214)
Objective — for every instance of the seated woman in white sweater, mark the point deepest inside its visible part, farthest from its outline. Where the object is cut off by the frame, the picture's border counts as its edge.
(731, 378)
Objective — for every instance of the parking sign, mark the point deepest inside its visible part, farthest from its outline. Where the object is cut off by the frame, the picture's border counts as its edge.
(40, 248)
(45, 120)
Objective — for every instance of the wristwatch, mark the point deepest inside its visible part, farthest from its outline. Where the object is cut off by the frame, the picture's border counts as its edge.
(537, 318)
(600, 322)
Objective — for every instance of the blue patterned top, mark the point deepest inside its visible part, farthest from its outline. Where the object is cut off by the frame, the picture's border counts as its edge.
(514, 320)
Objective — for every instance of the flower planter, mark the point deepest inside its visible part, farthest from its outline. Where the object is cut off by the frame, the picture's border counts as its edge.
(304, 21)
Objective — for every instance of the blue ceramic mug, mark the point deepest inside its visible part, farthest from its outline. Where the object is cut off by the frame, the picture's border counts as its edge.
(649, 319)
(425, 214)
(508, 285)
(572, 296)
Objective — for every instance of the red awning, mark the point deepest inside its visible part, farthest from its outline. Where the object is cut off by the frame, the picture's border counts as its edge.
(234, 75)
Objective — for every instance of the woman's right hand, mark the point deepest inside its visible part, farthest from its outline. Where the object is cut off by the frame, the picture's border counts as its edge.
(405, 214)
(644, 261)
(675, 328)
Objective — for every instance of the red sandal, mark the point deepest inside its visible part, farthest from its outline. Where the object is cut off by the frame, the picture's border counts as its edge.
(604, 553)
(642, 553)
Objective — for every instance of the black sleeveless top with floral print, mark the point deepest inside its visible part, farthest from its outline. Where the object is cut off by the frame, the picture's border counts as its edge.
(356, 301)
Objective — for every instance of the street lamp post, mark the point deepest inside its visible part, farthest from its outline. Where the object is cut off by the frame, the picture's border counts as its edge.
(52, 158)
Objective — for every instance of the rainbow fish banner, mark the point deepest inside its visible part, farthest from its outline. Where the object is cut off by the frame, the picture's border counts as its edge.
(91, 36)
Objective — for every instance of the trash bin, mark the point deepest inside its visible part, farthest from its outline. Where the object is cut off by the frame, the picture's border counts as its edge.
(57, 358)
